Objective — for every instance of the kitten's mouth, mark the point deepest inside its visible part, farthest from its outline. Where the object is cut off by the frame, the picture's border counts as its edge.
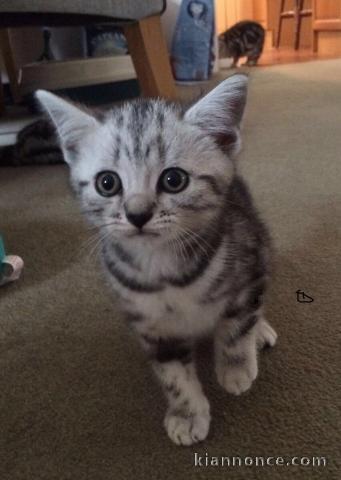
(143, 233)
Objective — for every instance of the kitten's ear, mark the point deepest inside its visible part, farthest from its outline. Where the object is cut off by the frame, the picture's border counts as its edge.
(71, 122)
(220, 112)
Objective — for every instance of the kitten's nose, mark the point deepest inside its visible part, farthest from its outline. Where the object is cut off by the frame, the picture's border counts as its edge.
(139, 209)
(139, 219)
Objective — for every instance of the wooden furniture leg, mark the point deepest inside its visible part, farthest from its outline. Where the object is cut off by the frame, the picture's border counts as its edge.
(298, 20)
(280, 21)
(148, 49)
(7, 55)
(315, 40)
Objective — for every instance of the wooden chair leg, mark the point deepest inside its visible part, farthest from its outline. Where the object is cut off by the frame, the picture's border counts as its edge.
(148, 49)
(7, 55)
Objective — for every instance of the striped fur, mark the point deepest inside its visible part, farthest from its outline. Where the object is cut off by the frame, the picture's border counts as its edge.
(244, 39)
(36, 144)
(199, 266)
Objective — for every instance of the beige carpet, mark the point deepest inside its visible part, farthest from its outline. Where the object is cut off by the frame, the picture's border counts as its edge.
(77, 398)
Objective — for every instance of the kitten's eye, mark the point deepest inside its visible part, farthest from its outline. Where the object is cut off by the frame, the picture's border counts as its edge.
(108, 184)
(173, 180)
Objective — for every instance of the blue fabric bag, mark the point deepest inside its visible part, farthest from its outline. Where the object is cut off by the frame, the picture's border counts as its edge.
(192, 47)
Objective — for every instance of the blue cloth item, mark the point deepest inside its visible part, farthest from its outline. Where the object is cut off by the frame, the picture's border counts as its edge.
(192, 46)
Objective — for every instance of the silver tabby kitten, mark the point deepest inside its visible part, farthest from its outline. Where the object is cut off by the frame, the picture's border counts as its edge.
(183, 246)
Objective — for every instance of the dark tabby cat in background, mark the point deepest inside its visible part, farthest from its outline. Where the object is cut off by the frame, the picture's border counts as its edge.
(36, 145)
(244, 39)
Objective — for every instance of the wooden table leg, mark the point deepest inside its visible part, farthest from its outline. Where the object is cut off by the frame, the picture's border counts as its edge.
(148, 49)
(7, 55)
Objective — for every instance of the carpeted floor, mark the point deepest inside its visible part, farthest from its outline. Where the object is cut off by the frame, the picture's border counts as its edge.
(78, 400)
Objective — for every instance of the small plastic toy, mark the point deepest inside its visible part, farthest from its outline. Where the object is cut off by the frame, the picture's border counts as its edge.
(10, 266)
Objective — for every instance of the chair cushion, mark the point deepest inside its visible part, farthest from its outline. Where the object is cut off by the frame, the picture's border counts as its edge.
(118, 9)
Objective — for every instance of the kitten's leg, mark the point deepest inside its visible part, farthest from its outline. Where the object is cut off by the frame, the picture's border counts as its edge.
(236, 354)
(188, 416)
(266, 335)
(253, 57)
(251, 62)
(234, 64)
(237, 339)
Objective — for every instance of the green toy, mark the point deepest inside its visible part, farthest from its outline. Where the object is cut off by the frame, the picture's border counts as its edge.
(2, 251)
(10, 265)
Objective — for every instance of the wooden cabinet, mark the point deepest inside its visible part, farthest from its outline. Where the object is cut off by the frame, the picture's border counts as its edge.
(327, 26)
(322, 31)
(288, 27)
(266, 12)
(328, 11)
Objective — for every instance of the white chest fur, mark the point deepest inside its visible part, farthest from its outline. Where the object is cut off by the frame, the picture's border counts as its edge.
(175, 311)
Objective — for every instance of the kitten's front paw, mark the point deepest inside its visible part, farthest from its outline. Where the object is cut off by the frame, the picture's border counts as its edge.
(237, 379)
(187, 429)
(266, 335)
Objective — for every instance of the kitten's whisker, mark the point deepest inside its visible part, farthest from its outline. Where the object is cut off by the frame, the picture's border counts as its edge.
(86, 251)
(89, 241)
(211, 227)
(191, 235)
(182, 248)
(202, 239)
(95, 249)
(108, 224)
(200, 246)
(173, 244)
(184, 232)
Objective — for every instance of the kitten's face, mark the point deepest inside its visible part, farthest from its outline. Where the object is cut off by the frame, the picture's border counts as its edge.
(150, 163)
(147, 173)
